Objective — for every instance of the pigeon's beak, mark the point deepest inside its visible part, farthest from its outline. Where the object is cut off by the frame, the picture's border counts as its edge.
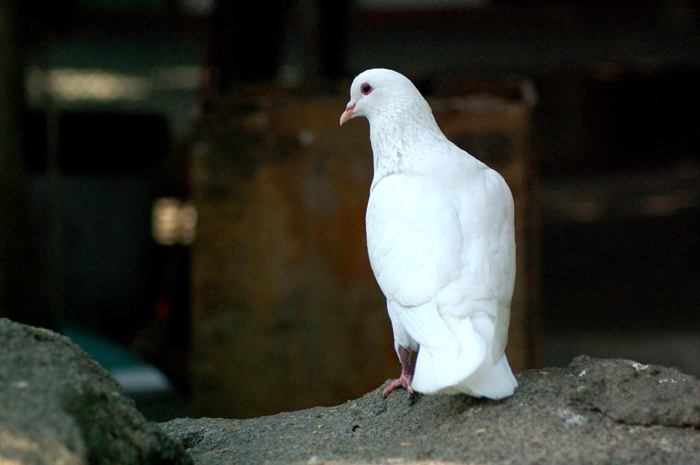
(347, 114)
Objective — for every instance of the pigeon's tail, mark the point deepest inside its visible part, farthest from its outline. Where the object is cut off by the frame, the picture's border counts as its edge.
(454, 355)
(492, 381)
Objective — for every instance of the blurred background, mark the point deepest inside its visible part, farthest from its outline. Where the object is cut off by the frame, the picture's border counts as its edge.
(177, 197)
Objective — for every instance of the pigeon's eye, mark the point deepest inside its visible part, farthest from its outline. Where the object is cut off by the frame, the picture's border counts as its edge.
(366, 88)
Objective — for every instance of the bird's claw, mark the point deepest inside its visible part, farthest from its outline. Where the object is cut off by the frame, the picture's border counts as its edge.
(402, 381)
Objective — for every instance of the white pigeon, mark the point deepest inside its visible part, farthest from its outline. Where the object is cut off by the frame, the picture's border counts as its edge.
(441, 243)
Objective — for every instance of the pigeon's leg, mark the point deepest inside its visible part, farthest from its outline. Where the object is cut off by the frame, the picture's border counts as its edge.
(406, 378)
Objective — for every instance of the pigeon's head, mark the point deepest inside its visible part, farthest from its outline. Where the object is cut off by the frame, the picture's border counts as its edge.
(380, 91)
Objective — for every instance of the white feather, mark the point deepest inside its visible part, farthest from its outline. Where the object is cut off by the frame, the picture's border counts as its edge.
(440, 237)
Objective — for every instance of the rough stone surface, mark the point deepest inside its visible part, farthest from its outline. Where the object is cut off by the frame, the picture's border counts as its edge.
(637, 394)
(595, 411)
(58, 406)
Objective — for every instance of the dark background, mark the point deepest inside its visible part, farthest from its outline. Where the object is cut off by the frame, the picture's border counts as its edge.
(615, 141)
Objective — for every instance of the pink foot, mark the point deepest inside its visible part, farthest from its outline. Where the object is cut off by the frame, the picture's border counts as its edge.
(406, 378)
(403, 381)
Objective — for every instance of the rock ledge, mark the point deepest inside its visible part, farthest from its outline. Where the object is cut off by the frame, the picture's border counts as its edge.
(594, 411)
(58, 406)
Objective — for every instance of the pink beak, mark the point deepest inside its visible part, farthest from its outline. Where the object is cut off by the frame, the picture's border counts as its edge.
(347, 114)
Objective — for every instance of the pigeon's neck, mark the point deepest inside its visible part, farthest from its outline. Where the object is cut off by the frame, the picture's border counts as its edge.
(402, 140)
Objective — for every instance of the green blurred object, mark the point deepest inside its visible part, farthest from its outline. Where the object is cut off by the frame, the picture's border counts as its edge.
(128, 368)
(154, 395)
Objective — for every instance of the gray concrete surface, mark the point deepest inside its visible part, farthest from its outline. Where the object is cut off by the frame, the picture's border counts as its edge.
(598, 411)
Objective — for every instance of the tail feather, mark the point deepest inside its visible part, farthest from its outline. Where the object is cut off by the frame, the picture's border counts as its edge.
(492, 381)
(454, 357)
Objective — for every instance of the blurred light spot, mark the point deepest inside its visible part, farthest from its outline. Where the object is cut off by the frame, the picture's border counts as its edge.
(73, 84)
(173, 222)
(165, 221)
(188, 224)
(70, 84)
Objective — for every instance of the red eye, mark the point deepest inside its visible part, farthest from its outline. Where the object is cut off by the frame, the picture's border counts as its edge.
(365, 88)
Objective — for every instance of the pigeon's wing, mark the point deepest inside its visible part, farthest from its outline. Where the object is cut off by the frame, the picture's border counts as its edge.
(486, 218)
(452, 244)
(414, 239)
(486, 215)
